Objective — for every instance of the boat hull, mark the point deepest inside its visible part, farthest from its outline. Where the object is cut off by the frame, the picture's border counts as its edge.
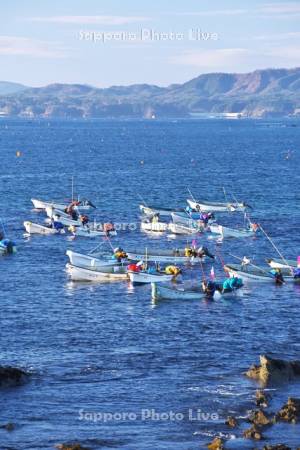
(92, 234)
(165, 258)
(181, 229)
(280, 264)
(34, 228)
(82, 274)
(258, 275)
(39, 204)
(90, 262)
(226, 232)
(142, 277)
(152, 210)
(159, 227)
(215, 207)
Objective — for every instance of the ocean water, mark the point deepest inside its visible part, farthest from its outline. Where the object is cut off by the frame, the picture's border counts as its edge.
(109, 368)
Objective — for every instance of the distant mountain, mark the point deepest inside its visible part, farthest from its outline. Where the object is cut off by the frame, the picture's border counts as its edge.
(262, 93)
(6, 87)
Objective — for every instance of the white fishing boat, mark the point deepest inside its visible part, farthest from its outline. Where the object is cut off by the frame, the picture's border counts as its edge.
(180, 292)
(251, 273)
(226, 232)
(115, 273)
(178, 228)
(154, 227)
(175, 256)
(91, 232)
(65, 219)
(144, 277)
(90, 261)
(216, 206)
(190, 220)
(280, 264)
(83, 205)
(154, 210)
(35, 228)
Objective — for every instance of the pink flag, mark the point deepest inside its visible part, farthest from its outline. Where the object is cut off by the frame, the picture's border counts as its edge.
(194, 243)
(298, 261)
(212, 273)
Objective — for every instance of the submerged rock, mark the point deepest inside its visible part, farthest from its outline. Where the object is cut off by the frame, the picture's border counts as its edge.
(216, 444)
(259, 418)
(8, 426)
(273, 370)
(231, 422)
(74, 446)
(261, 398)
(277, 447)
(253, 433)
(11, 376)
(290, 412)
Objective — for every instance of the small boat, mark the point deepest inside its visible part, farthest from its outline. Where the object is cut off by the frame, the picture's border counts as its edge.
(115, 273)
(253, 273)
(83, 205)
(280, 264)
(190, 218)
(62, 217)
(145, 277)
(216, 206)
(153, 227)
(154, 210)
(35, 228)
(90, 261)
(175, 256)
(227, 232)
(92, 231)
(177, 228)
(7, 247)
(179, 292)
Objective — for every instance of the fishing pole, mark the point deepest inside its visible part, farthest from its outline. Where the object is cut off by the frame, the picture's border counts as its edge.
(193, 198)
(277, 250)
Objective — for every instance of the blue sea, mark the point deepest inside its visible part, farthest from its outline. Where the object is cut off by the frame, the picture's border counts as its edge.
(110, 368)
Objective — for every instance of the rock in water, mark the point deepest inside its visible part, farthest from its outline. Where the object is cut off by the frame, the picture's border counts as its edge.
(273, 370)
(259, 418)
(8, 426)
(11, 376)
(253, 433)
(231, 422)
(216, 444)
(277, 447)
(261, 398)
(290, 412)
(74, 446)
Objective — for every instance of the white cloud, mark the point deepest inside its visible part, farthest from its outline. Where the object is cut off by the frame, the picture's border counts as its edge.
(289, 8)
(279, 36)
(91, 20)
(214, 59)
(216, 12)
(238, 59)
(21, 46)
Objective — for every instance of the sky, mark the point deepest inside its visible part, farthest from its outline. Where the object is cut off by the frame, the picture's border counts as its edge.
(122, 42)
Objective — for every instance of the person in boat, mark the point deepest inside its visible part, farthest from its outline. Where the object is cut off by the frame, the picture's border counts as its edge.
(172, 270)
(203, 251)
(135, 267)
(84, 220)
(119, 254)
(231, 284)
(155, 218)
(277, 274)
(296, 273)
(209, 287)
(56, 224)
